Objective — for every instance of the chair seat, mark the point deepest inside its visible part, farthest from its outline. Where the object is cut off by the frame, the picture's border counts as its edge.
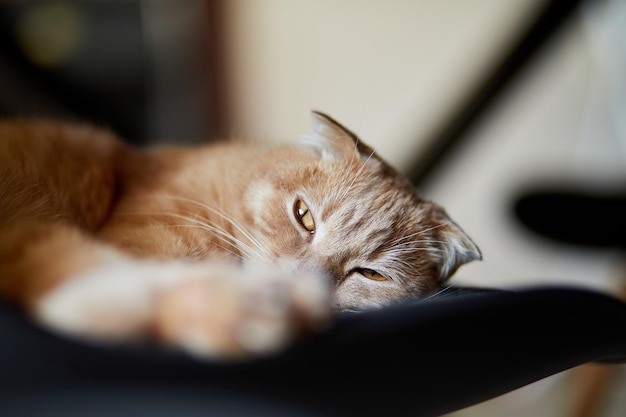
(428, 357)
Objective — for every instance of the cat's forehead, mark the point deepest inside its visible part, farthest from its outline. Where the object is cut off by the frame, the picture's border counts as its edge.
(371, 185)
(377, 209)
(382, 211)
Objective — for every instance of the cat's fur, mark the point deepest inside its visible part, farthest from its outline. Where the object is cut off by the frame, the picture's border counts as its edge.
(204, 247)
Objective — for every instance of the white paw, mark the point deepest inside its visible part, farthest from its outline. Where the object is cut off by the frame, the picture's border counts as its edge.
(111, 302)
(241, 313)
(209, 309)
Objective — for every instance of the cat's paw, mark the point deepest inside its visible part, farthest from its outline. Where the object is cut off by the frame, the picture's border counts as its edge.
(235, 313)
(216, 310)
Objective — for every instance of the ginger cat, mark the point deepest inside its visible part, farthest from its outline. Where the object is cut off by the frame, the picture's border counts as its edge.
(225, 250)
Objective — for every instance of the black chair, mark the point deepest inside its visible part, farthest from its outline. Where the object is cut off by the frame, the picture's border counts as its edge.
(427, 358)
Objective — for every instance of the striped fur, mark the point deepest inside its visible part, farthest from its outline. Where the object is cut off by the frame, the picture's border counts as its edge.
(112, 243)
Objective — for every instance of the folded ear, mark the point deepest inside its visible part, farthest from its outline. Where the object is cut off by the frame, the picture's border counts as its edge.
(331, 140)
(455, 246)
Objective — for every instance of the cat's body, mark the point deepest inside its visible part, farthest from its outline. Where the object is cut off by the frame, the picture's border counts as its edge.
(220, 249)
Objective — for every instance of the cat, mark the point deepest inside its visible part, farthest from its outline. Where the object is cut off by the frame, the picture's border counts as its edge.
(225, 250)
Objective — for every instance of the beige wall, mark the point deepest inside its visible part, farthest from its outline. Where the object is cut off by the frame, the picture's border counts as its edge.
(389, 70)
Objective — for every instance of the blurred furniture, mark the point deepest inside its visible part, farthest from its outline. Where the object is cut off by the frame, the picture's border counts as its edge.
(145, 69)
(579, 218)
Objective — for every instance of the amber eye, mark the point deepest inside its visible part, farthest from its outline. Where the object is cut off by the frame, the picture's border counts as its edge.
(304, 216)
(371, 274)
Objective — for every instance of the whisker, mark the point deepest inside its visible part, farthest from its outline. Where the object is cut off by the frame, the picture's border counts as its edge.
(436, 293)
(238, 255)
(356, 176)
(421, 232)
(410, 250)
(345, 189)
(223, 235)
(423, 242)
(225, 217)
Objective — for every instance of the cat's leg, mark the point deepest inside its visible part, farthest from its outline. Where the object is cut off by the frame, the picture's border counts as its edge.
(94, 292)
(36, 257)
(215, 309)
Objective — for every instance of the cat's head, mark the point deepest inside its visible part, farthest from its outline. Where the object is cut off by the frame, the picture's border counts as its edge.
(333, 205)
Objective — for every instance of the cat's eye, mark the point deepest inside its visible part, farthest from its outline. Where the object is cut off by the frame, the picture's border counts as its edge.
(371, 274)
(304, 216)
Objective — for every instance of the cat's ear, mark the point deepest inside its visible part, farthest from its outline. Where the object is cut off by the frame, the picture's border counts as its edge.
(455, 247)
(329, 139)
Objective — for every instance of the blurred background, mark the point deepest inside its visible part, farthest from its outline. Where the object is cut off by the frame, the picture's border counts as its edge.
(477, 101)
